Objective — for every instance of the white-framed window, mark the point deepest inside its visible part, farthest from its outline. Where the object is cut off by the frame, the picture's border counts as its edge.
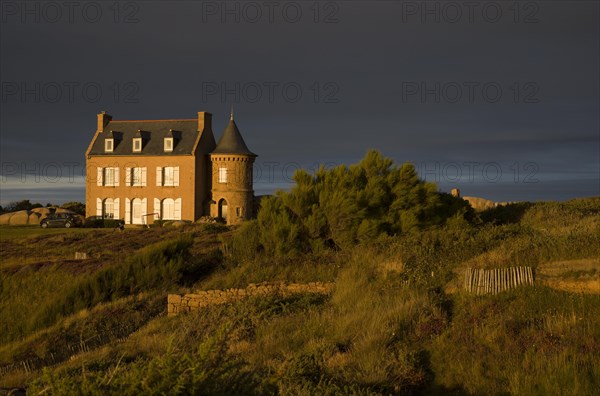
(109, 145)
(135, 177)
(168, 144)
(168, 209)
(109, 209)
(135, 210)
(169, 173)
(137, 145)
(108, 177)
(222, 175)
(167, 176)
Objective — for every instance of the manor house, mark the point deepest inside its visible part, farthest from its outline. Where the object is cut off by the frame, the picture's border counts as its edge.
(148, 170)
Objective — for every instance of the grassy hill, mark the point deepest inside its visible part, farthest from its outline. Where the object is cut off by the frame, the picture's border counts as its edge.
(397, 322)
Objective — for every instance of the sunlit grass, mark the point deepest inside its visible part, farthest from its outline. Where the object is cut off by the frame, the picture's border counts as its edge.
(387, 328)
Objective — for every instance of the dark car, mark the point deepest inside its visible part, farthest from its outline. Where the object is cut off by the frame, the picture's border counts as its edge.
(66, 220)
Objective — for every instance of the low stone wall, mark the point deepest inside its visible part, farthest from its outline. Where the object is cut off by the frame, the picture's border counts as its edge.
(191, 302)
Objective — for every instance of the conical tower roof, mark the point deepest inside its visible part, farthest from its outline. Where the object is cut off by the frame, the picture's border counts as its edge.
(232, 142)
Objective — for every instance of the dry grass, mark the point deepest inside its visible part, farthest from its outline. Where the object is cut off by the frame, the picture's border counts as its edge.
(376, 334)
(578, 276)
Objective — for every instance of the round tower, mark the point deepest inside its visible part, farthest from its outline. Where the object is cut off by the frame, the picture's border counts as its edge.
(231, 163)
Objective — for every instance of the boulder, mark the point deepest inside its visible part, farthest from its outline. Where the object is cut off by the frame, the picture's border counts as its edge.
(34, 218)
(480, 204)
(42, 211)
(19, 218)
(5, 218)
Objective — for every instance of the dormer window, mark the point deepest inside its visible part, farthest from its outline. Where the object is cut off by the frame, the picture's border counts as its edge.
(168, 144)
(109, 144)
(137, 145)
(111, 141)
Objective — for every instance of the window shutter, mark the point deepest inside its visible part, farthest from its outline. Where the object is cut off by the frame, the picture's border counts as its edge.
(144, 209)
(116, 202)
(159, 176)
(98, 207)
(100, 178)
(176, 176)
(117, 177)
(177, 213)
(158, 215)
(127, 211)
(128, 177)
(144, 176)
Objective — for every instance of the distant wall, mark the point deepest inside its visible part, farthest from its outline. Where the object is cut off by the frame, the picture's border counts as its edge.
(191, 302)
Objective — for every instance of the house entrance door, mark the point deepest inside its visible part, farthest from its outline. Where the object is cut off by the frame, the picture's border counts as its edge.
(223, 209)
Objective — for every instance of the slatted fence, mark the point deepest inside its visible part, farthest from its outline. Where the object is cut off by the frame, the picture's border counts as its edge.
(494, 281)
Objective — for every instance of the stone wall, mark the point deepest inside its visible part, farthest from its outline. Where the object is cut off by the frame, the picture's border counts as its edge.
(191, 302)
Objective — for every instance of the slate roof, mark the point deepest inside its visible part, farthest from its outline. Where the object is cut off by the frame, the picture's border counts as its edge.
(153, 132)
(232, 142)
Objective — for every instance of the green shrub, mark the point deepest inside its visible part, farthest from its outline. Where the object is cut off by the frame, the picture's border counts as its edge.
(245, 244)
(347, 205)
(76, 207)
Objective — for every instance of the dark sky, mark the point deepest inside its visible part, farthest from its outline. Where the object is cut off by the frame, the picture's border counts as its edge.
(497, 99)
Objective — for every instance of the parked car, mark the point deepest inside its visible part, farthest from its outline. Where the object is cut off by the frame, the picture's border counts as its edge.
(101, 222)
(66, 220)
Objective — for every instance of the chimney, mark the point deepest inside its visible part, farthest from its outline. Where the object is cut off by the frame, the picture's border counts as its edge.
(204, 121)
(103, 120)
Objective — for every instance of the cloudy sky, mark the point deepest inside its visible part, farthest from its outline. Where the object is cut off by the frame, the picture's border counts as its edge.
(499, 99)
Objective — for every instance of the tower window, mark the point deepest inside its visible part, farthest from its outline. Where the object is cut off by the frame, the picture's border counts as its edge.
(222, 175)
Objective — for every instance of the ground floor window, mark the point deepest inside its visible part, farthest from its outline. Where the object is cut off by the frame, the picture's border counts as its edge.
(168, 208)
(109, 208)
(136, 211)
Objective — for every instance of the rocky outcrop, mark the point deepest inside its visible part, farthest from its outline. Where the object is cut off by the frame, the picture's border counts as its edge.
(480, 204)
(29, 217)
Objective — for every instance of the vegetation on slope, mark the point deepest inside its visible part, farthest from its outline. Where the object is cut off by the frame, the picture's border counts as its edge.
(395, 324)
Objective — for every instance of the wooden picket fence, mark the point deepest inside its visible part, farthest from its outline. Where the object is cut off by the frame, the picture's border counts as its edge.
(494, 281)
